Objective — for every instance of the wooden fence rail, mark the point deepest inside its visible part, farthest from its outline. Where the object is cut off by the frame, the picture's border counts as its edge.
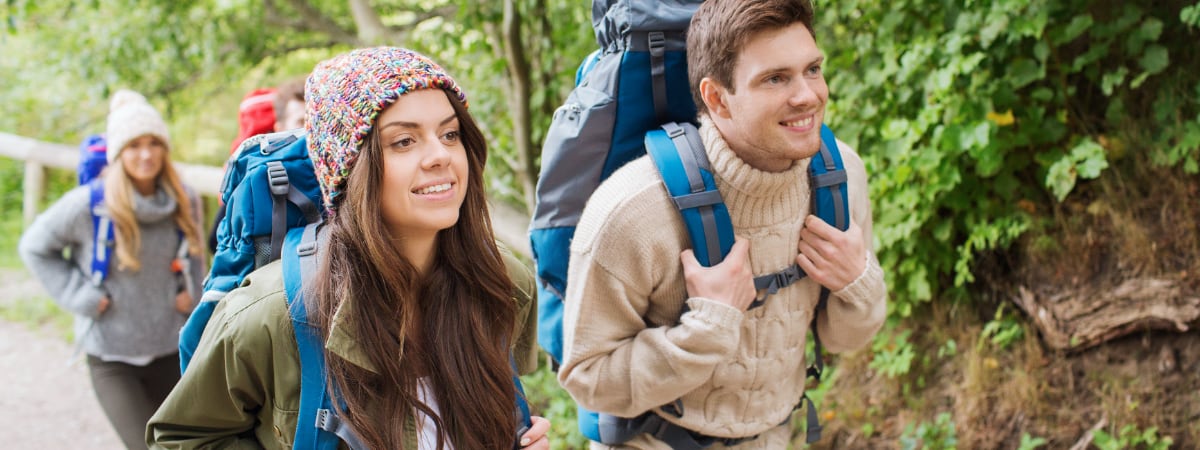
(510, 224)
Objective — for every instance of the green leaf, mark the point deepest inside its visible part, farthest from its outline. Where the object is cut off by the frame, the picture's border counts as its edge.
(1041, 51)
(1024, 71)
(1060, 179)
(1190, 15)
(1089, 158)
(1042, 94)
(1137, 82)
(1111, 80)
(1078, 25)
(1155, 59)
(1151, 29)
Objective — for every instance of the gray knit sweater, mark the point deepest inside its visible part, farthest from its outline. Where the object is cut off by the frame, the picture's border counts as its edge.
(141, 319)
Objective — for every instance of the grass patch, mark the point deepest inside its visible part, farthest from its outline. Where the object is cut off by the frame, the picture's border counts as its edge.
(41, 314)
(10, 235)
(12, 172)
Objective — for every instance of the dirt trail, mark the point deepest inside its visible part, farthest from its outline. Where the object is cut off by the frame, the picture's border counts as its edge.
(44, 401)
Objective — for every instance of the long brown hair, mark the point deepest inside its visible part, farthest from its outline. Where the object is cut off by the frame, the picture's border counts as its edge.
(453, 324)
(118, 198)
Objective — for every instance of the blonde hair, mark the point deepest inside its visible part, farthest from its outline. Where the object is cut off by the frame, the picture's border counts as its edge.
(118, 198)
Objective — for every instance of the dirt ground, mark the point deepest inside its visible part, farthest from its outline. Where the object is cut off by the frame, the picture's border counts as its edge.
(46, 400)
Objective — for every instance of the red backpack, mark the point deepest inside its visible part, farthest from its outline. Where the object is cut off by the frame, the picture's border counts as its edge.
(256, 115)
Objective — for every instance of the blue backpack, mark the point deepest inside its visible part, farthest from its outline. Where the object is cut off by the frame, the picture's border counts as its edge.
(93, 158)
(632, 97)
(273, 211)
(269, 187)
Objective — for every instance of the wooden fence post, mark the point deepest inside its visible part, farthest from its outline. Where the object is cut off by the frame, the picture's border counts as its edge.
(34, 187)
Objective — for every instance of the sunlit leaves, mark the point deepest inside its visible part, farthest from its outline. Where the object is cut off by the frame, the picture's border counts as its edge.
(1085, 161)
(953, 105)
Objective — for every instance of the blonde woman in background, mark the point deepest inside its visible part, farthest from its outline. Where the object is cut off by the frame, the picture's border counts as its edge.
(128, 323)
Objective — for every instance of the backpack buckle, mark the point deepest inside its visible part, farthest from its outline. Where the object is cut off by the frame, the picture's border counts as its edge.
(786, 277)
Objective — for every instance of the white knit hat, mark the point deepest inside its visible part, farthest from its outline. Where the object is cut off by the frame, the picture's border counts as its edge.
(130, 116)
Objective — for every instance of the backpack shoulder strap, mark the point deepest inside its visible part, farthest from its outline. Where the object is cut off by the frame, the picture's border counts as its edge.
(830, 202)
(102, 231)
(524, 420)
(827, 179)
(317, 426)
(678, 154)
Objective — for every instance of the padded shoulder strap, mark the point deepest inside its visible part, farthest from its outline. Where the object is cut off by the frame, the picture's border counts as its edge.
(102, 232)
(827, 178)
(316, 407)
(678, 153)
(524, 420)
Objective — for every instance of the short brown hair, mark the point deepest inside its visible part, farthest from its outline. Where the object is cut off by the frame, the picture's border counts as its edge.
(720, 29)
(291, 90)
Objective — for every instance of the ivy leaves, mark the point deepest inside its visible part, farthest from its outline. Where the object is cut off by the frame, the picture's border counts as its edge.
(974, 117)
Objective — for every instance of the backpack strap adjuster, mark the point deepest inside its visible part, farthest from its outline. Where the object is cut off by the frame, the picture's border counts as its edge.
(657, 43)
(827, 179)
(277, 178)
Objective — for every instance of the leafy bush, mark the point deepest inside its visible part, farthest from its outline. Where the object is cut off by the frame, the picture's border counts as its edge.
(939, 435)
(1132, 437)
(1003, 330)
(974, 116)
(549, 400)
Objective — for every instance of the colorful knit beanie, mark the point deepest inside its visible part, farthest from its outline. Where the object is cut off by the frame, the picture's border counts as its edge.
(130, 116)
(345, 94)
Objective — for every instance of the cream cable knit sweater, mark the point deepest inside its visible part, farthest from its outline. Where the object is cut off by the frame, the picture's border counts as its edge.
(628, 350)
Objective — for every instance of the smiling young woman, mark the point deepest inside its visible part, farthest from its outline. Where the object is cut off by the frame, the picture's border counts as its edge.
(419, 307)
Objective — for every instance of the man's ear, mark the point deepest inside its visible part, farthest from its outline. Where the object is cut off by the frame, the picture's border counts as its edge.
(713, 95)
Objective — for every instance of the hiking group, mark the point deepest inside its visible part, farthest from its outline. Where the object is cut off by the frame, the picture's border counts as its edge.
(695, 219)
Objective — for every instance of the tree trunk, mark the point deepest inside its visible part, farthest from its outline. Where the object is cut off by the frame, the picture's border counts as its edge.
(1081, 318)
(371, 30)
(518, 99)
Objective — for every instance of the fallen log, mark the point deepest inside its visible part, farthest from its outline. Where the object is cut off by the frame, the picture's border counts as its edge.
(1081, 318)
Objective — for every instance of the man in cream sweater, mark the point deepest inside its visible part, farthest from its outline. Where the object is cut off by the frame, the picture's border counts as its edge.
(722, 370)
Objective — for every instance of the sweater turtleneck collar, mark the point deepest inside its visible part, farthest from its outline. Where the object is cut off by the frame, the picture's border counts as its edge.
(754, 197)
(155, 207)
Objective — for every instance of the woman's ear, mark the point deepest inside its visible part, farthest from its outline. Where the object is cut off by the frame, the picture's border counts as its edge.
(713, 95)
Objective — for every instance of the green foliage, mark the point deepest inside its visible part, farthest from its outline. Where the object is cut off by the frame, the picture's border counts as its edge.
(972, 117)
(473, 45)
(1003, 330)
(1132, 438)
(895, 358)
(939, 435)
(1085, 160)
(1190, 15)
(37, 313)
(1030, 443)
(11, 201)
(11, 225)
(549, 400)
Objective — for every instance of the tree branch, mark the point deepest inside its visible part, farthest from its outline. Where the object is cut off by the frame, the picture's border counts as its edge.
(518, 74)
(370, 27)
(309, 19)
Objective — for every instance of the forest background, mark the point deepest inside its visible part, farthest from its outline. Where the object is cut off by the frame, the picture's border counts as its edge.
(1025, 155)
